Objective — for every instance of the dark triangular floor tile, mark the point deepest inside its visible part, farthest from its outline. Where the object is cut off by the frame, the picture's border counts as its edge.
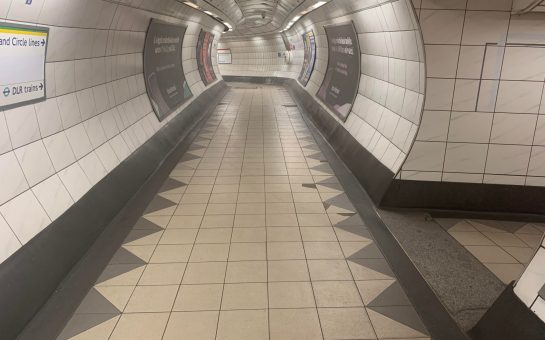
(393, 295)
(123, 256)
(81, 323)
(369, 251)
(309, 185)
(159, 203)
(116, 270)
(171, 184)
(404, 315)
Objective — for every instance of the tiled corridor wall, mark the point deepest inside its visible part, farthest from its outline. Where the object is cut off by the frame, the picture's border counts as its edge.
(530, 288)
(97, 111)
(483, 120)
(261, 56)
(388, 107)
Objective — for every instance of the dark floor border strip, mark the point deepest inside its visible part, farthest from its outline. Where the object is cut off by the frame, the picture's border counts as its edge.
(509, 319)
(44, 282)
(435, 316)
(467, 197)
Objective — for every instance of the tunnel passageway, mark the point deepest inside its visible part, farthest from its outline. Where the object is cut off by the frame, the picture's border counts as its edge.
(250, 237)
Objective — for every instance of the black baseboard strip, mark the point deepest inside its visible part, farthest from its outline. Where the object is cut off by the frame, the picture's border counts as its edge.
(435, 316)
(509, 319)
(491, 198)
(42, 273)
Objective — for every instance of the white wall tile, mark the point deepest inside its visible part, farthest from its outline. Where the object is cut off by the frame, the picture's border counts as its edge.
(5, 141)
(75, 181)
(513, 128)
(35, 162)
(434, 126)
(59, 150)
(22, 125)
(442, 26)
(465, 95)
(12, 181)
(9, 243)
(519, 97)
(465, 157)
(25, 216)
(507, 159)
(49, 118)
(483, 27)
(470, 127)
(53, 197)
(427, 156)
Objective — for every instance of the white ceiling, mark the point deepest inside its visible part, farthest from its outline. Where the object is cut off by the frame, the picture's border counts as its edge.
(250, 17)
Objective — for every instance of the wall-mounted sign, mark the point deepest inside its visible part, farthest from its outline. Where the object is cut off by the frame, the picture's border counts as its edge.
(225, 56)
(163, 71)
(22, 64)
(310, 57)
(204, 57)
(340, 87)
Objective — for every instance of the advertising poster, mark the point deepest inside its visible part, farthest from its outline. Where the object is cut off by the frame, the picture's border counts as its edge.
(22, 64)
(310, 57)
(225, 56)
(340, 87)
(204, 57)
(163, 71)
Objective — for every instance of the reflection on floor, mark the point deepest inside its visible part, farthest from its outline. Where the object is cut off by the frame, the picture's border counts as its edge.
(504, 247)
(251, 237)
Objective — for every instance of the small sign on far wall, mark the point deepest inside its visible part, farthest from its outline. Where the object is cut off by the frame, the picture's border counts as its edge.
(23, 50)
(225, 56)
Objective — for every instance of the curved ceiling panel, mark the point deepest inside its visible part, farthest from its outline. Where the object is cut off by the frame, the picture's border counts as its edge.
(250, 17)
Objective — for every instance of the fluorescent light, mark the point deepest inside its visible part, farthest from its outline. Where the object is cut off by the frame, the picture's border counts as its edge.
(191, 4)
(303, 13)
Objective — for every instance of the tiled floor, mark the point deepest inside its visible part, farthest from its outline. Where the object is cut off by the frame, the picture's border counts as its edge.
(251, 237)
(503, 247)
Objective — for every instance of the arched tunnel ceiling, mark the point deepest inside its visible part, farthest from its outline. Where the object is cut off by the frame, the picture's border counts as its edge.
(250, 17)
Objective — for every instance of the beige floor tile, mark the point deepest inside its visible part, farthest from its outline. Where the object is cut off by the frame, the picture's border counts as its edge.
(89, 327)
(282, 220)
(209, 252)
(249, 235)
(346, 323)
(225, 188)
(310, 208)
(206, 272)
(161, 274)
(285, 251)
(361, 250)
(203, 180)
(248, 252)
(294, 324)
(323, 250)
(521, 254)
(353, 233)
(491, 254)
(471, 238)
(313, 220)
(214, 235)
(283, 234)
(312, 197)
(290, 270)
(132, 255)
(278, 197)
(370, 269)
(505, 239)
(249, 221)
(396, 322)
(318, 234)
(532, 240)
(506, 272)
(329, 270)
(244, 296)
(185, 209)
(249, 197)
(246, 271)
(192, 326)
(220, 209)
(243, 325)
(199, 297)
(195, 199)
(105, 300)
(250, 208)
(179, 236)
(171, 253)
(152, 299)
(230, 197)
(142, 238)
(140, 326)
(217, 221)
(120, 275)
(280, 208)
(336, 294)
(199, 189)
(179, 222)
(291, 295)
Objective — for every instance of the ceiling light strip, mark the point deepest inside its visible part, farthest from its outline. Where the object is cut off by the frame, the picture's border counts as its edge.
(303, 13)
